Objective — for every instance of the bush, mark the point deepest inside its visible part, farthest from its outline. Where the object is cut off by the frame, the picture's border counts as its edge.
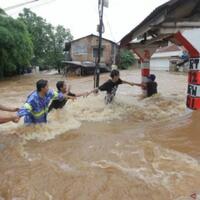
(126, 59)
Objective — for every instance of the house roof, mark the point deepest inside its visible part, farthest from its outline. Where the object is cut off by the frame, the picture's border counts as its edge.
(91, 36)
(174, 14)
(169, 49)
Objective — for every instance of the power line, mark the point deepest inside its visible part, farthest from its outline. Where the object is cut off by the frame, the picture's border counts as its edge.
(33, 7)
(109, 26)
(36, 6)
(19, 5)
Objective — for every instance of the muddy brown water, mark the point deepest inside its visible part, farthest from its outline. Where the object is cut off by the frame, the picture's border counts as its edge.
(133, 149)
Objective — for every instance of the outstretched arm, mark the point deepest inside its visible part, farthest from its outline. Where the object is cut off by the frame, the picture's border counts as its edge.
(70, 97)
(103, 87)
(8, 119)
(132, 83)
(127, 82)
(83, 94)
(4, 108)
(142, 85)
(95, 90)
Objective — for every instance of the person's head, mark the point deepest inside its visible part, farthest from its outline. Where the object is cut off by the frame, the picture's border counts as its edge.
(42, 86)
(61, 86)
(114, 75)
(152, 77)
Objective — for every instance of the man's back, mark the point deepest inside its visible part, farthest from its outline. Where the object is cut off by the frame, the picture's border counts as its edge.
(151, 88)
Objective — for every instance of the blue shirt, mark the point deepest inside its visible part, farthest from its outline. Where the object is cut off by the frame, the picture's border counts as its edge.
(35, 109)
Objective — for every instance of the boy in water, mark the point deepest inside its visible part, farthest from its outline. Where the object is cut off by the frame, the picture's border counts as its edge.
(35, 109)
(63, 89)
(4, 119)
(111, 86)
(150, 86)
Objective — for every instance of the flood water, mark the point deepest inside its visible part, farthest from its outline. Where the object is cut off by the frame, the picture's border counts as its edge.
(133, 149)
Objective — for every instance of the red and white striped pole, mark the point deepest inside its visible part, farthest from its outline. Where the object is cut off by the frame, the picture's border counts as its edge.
(145, 55)
(193, 92)
(145, 71)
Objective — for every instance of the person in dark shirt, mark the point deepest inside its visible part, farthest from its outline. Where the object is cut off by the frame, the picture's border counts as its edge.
(62, 88)
(150, 86)
(111, 86)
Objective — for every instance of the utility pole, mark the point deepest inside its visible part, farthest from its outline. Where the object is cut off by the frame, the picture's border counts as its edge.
(19, 5)
(101, 5)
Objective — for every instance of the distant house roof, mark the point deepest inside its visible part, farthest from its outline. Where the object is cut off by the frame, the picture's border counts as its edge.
(169, 49)
(168, 52)
(93, 36)
(68, 44)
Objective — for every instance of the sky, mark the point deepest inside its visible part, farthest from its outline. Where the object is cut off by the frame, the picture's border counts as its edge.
(81, 16)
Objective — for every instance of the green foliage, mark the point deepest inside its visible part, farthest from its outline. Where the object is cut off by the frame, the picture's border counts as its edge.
(2, 12)
(47, 40)
(29, 40)
(15, 45)
(126, 59)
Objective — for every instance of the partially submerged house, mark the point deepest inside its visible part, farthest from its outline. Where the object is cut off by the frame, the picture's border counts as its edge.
(166, 57)
(83, 52)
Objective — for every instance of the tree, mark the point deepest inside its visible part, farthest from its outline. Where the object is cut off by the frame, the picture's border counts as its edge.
(126, 59)
(47, 40)
(15, 45)
(61, 36)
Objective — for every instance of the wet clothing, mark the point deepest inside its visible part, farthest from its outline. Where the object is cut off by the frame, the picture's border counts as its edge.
(35, 109)
(58, 104)
(110, 87)
(151, 88)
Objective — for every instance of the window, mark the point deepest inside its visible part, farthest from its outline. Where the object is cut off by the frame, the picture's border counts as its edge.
(95, 52)
(79, 49)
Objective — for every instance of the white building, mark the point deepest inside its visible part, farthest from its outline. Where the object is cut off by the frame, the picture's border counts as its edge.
(162, 58)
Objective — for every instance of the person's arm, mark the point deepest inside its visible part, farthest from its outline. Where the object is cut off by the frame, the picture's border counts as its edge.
(59, 95)
(127, 82)
(83, 94)
(103, 87)
(8, 119)
(69, 97)
(142, 85)
(26, 109)
(4, 108)
(95, 90)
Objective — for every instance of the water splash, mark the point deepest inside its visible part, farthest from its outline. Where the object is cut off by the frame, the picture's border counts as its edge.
(93, 109)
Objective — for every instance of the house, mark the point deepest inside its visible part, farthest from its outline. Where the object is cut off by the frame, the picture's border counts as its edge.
(83, 52)
(165, 57)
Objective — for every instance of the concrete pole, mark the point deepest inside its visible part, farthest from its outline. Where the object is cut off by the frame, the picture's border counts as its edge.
(193, 91)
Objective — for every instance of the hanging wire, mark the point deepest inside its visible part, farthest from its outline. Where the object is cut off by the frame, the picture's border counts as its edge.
(36, 6)
(110, 29)
(19, 5)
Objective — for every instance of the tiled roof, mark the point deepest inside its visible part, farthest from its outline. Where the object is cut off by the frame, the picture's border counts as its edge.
(169, 49)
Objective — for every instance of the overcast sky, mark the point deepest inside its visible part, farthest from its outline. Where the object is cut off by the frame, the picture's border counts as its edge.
(81, 16)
